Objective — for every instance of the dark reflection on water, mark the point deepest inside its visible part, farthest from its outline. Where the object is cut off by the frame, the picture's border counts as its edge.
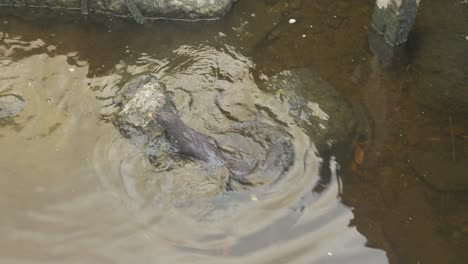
(74, 190)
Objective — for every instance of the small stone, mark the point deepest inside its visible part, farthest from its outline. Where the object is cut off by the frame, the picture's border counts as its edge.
(71, 69)
(292, 21)
(263, 77)
(303, 35)
(10, 105)
(221, 34)
(466, 37)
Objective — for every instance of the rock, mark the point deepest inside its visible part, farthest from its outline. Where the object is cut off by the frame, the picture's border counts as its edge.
(394, 19)
(315, 105)
(140, 98)
(10, 105)
(130, 88)
(176, 9)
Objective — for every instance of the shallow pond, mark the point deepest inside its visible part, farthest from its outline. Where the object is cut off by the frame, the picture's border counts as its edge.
(74, 190)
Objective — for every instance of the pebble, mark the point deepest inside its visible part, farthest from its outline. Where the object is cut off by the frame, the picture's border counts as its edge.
(253, 197)
(11, 105)
(263, 77)
(292, 21)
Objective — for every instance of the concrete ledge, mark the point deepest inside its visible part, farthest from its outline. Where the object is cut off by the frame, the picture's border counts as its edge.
(150, 9)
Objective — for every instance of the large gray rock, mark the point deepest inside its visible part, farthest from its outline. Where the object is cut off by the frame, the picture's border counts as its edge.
(10, 105)
(151, 9)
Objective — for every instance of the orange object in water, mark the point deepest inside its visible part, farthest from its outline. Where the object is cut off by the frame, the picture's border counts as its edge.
(358, 157)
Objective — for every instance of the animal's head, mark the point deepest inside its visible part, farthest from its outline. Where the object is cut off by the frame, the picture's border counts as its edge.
(168, 120)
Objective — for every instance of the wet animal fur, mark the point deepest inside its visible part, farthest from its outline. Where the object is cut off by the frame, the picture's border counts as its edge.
(189, 141)
(196, 145)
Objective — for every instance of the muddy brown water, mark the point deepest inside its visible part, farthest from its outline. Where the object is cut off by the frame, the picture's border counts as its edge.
(73, 190)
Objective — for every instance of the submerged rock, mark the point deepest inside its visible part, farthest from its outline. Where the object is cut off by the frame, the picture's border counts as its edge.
(10, 105)
(315, 105)
(140, 9)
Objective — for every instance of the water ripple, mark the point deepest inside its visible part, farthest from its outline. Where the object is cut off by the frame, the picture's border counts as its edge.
(76, 191)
